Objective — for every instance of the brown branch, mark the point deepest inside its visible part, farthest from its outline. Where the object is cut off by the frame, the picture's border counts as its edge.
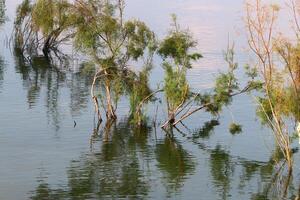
(138, 108)
(190, 113)
(96, 104)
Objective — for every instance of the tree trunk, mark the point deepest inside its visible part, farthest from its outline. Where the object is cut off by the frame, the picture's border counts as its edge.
(298, 78)
(46, 47)
(170, 121)
(95, 99)
(110, 112)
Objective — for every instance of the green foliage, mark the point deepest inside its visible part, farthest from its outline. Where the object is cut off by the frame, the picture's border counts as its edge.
(235, 128)
(140, 38)
(48, 15)
(22, 15)
(175, 50)
(225, 84)
(264, 111)
(2, 11)
(289, 77)
(43, 15)
(177, 46)
(140, 94)
(176, 86)
(284, 102)
(23, 10)
(251, 72)
(43, 24)
(140, 89)
(102, 33)
(118, 88)
(99, 30)
(112, 43)
(87, 68)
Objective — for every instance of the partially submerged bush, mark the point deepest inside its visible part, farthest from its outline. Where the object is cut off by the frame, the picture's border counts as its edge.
(235, 128)
(111, 43)
(176, 51)
(43, 26)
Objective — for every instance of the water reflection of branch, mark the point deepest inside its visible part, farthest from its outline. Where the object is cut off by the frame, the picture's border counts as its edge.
(206, 130)
(116, 169)
(173, 161)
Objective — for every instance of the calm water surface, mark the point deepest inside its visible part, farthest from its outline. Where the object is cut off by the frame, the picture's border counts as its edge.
(43, 156)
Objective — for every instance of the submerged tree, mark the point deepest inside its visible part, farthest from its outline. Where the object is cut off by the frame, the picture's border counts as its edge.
(278, 64)
(112, 43)
(176, 51)
(43, 26)
(140, 94)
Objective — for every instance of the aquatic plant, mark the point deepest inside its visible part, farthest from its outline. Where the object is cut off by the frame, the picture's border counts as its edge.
(235, 128)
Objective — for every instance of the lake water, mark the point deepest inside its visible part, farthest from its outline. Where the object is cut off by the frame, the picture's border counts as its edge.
(43, 156)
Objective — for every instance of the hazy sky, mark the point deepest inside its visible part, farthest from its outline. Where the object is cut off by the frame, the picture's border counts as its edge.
(210, 21)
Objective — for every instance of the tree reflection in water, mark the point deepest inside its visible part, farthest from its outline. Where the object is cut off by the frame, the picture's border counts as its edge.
(40, 74)
(222, 170)
(122, 166)
(206, 130)
(125, 160)
(174, 162)
(273, 179)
